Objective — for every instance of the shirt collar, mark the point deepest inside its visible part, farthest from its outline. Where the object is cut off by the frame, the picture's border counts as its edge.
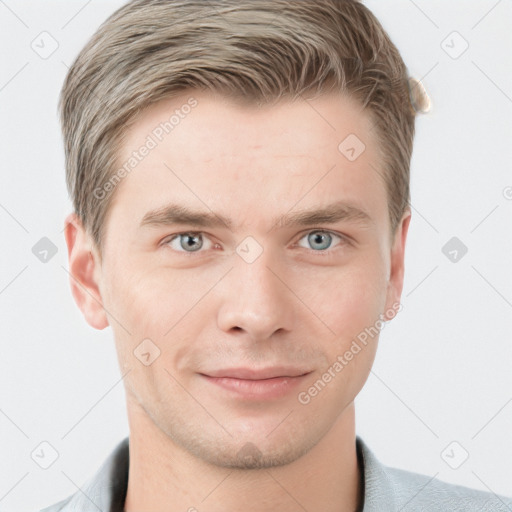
(379, 492)
(107, 489)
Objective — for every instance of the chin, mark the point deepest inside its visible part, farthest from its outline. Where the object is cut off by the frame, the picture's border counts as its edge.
(261, 446)
(251, 455)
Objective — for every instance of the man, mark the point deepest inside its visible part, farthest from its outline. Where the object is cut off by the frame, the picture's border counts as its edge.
(210, 146)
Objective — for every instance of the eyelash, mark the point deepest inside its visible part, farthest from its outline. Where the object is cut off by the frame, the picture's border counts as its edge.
(327, 252)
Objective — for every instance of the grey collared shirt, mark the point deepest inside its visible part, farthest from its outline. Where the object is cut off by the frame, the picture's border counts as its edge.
(385, 489)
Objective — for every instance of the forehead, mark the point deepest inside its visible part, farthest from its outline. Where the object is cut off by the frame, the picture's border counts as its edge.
(203, 150)
(283, 125)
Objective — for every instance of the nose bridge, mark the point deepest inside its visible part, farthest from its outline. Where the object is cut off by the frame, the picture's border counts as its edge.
(254, 298)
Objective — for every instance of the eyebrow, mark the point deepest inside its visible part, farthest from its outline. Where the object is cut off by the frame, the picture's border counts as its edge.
(178, 214)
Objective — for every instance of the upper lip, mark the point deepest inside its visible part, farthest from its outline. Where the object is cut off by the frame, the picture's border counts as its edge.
(257, 374)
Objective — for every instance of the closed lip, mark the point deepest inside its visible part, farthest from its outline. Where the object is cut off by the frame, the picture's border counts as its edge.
(257, 374)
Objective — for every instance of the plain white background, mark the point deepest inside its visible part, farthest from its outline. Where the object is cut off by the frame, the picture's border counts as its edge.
(443, 370)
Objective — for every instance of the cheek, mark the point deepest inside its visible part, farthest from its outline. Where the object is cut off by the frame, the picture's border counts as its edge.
(157, 298)
(350, 299)
(351, 305)
(356, 308)
(154, 304)
(150, 305)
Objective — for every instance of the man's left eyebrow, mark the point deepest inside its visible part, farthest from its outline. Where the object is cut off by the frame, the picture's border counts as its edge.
(330, 214)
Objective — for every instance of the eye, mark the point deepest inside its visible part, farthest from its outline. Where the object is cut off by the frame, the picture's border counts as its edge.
(320, 240)
(192, 242)
(186, 242)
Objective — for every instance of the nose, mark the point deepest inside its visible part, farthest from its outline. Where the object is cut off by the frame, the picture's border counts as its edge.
(256, 300)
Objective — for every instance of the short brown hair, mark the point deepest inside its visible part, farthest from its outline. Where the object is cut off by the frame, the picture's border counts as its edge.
(250, 50)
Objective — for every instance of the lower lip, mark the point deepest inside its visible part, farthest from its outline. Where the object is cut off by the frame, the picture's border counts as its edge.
(264, 389)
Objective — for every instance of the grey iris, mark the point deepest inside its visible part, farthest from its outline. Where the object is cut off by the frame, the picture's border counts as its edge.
(317, 236)
(193, 246)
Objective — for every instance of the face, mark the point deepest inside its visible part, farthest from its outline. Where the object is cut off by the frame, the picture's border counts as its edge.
(252, 302)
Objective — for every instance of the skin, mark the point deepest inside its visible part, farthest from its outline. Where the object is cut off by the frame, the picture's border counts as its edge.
(300, 303)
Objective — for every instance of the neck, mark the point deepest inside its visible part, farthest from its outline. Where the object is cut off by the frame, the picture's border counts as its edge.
(164, 477)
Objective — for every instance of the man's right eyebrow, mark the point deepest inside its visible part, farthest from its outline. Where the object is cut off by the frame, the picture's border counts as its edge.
(178, 214)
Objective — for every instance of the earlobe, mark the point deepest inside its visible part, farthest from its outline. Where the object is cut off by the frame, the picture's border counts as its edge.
(83, 273)
(396, 277)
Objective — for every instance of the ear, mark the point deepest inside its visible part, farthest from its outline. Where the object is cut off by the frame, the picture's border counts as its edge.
(84, 269)
(396, 275)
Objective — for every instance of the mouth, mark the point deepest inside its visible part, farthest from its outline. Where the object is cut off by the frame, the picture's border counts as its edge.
(257, 384)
